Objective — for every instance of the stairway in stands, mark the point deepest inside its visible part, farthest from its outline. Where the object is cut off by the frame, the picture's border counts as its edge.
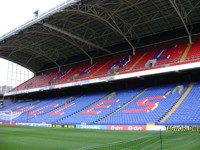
(119, 108)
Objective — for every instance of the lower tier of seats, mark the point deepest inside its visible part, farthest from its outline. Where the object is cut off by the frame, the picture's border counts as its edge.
(175, 103)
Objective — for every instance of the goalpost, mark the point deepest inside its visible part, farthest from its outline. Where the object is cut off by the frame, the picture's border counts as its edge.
(9, 115)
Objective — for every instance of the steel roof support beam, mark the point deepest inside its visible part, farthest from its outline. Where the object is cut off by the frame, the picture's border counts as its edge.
(130, 30)
(107, 14)
(175, 6)
(42, 54)
(76, 37)
(21, 46)
(193, 8)
(74, 43)
(18, 62)
(106, 22)
(130, 5)
(91, 59)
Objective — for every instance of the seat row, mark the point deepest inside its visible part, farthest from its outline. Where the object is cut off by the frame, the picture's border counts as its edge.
(165, 54)
(128, 106)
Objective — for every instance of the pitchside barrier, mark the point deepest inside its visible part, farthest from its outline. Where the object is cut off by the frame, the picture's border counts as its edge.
(7, 123)
(71, 126)
(34, 124)
(182, 128)
(149, 127)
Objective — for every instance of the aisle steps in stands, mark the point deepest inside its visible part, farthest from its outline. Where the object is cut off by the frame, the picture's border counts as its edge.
(185, 52)
(66, 101)
(100, 68)
(119, 108)
(84, 108)
(133, 66)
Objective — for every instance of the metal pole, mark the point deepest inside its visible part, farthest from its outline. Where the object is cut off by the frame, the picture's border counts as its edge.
(27, 116)
(11, 116)
(174, 4)
(160, 140)
(76, 37)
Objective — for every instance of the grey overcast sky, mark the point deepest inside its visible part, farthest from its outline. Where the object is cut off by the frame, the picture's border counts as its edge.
(14, 13)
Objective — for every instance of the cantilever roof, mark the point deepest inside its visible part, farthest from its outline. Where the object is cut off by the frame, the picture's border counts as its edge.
(90, 28)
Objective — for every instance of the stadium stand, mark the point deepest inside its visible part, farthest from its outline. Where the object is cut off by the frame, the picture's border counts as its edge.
(101, 108)
(60, 76)
(102, 50)
(69, 108)
(130, 106)
(136, 106)
(119, 60)
(194, 53)
(7, 102)
(158, 56)
(147, 108)
(188, 111)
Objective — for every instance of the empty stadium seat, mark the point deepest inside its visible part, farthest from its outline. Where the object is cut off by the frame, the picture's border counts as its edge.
(162, 55)
(130, 106)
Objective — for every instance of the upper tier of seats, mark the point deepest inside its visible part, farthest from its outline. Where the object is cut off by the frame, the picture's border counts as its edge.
(172, 53)
(194, 52)
(178, 104)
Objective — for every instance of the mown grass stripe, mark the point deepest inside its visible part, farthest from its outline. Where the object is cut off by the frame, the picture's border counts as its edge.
(37, 138)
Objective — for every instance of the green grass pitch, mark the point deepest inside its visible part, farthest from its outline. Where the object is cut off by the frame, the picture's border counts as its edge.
(39, 138)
